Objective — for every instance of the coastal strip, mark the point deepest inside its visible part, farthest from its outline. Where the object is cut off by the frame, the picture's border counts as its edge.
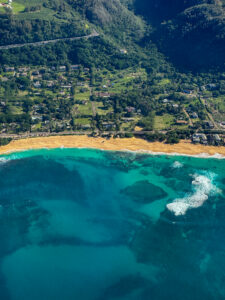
(126, 144)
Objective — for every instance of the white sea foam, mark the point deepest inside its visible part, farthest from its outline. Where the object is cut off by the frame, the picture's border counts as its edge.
(177, 165)
(3, 160)
(202, 188)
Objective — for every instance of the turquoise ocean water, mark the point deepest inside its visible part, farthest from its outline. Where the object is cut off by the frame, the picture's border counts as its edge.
(96, 225)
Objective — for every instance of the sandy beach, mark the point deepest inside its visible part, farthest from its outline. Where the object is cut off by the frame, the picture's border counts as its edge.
(132, 144)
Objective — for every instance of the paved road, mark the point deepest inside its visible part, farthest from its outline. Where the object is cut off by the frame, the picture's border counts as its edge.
(86, 132)
(43, 134)
(42, 43)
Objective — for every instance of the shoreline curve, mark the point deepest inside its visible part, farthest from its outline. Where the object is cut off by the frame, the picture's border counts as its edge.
(185, 147)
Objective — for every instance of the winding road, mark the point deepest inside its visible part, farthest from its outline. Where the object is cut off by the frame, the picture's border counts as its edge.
(38, 44)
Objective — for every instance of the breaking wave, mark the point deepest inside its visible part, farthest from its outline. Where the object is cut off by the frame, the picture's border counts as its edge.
(177, 165)
(202, 188)
(4, 160)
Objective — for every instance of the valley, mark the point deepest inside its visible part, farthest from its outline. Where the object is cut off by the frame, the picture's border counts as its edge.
(104, 69)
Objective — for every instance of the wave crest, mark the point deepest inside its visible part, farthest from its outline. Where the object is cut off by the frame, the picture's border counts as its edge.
(202, 188)
(177, 165)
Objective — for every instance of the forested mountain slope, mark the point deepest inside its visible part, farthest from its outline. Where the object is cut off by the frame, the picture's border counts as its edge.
(39, 20)
(191, 33)
(118, 28)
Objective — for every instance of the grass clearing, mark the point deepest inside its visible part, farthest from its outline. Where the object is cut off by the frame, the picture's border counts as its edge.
(85, 109)
(164, 81)
(83, 96)
(82, 121)
(163, 122)
(43, 14)
(2, 9)
(17, 7)
(101, 109)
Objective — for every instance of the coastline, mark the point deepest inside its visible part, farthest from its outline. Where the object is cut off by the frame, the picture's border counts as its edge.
(126, 144)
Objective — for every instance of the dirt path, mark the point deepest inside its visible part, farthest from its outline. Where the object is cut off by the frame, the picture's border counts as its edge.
(187, 115)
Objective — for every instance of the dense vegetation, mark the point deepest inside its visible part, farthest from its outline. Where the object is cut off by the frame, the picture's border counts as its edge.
(149, 72)
(191, 33)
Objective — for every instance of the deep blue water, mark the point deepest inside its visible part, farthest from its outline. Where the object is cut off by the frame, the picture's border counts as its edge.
(97, 225)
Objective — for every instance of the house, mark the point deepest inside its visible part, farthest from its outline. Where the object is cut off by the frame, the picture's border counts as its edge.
(24, 74)
(127, 120)
(195, 139)
(74, 67)
(66, 86)
(216, 138)
(130, 109)
(211, 86)
(9, 69)
(123, 51)
(181, 122)
(108, 125)
(62, 68)
(199, 138)
(37, 84)
(86, 126)
(175, 106)
(189, 92)
(36, 77)
(104, 94)
(194, 115)
(209, 124)
(36, 118)
(35, 73)
(4, 79)
(21, 70)
(50, 83)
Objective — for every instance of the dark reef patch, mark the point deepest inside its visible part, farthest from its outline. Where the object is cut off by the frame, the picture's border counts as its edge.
(144, 192)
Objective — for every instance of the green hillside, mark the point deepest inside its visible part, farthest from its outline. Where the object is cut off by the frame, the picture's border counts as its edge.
(191, 33)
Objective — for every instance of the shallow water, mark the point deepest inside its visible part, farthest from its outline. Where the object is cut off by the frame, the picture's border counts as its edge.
(94, 225)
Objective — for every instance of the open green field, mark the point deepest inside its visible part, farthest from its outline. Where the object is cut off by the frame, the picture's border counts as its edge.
(17, 7)
(100, 108)
(164, 81)
(163, 122)
(44, 14)
(83, 96)
(30, 2)
(119, 81)
(218, 107)
(219, 104)
(82, 121)
(84, 109)
(41, 12)
(2, 9)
